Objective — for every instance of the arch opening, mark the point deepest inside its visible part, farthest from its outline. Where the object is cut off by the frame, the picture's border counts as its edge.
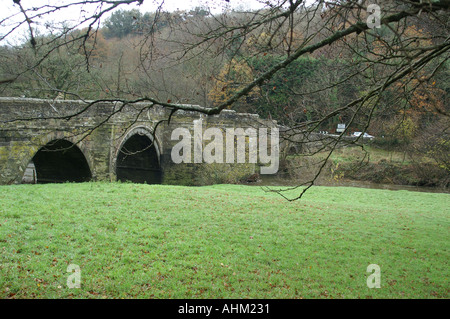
(138, 161)
(60, 161)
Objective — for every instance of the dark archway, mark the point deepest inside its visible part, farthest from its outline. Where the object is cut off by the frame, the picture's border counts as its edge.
(61, 161)
(138, 161)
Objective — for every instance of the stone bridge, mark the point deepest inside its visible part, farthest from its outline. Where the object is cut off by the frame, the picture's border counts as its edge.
(108, 142)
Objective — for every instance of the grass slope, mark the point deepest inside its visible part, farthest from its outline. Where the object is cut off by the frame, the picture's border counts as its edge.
(222, 241)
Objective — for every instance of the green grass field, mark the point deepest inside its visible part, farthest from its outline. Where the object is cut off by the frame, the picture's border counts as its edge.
(222, 241)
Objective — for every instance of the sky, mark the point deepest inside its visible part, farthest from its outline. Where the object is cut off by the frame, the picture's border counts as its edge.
(72, 16)
(172, 5)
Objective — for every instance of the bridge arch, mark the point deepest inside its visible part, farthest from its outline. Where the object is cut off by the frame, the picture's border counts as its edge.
(59, 160)
(137, 158)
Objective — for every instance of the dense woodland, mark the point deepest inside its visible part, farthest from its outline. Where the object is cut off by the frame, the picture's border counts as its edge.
(134, 54)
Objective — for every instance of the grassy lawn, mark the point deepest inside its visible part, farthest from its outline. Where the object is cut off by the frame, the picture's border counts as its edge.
(355, 154)
(222, 241)
(372, 165)
(372, 153)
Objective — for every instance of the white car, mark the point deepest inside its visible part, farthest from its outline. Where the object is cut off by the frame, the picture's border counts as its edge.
(365, 135)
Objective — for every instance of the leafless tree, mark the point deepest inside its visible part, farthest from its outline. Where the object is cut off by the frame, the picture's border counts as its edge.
(391, 55)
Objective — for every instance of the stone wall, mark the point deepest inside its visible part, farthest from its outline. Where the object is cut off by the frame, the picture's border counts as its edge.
(26, 125)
